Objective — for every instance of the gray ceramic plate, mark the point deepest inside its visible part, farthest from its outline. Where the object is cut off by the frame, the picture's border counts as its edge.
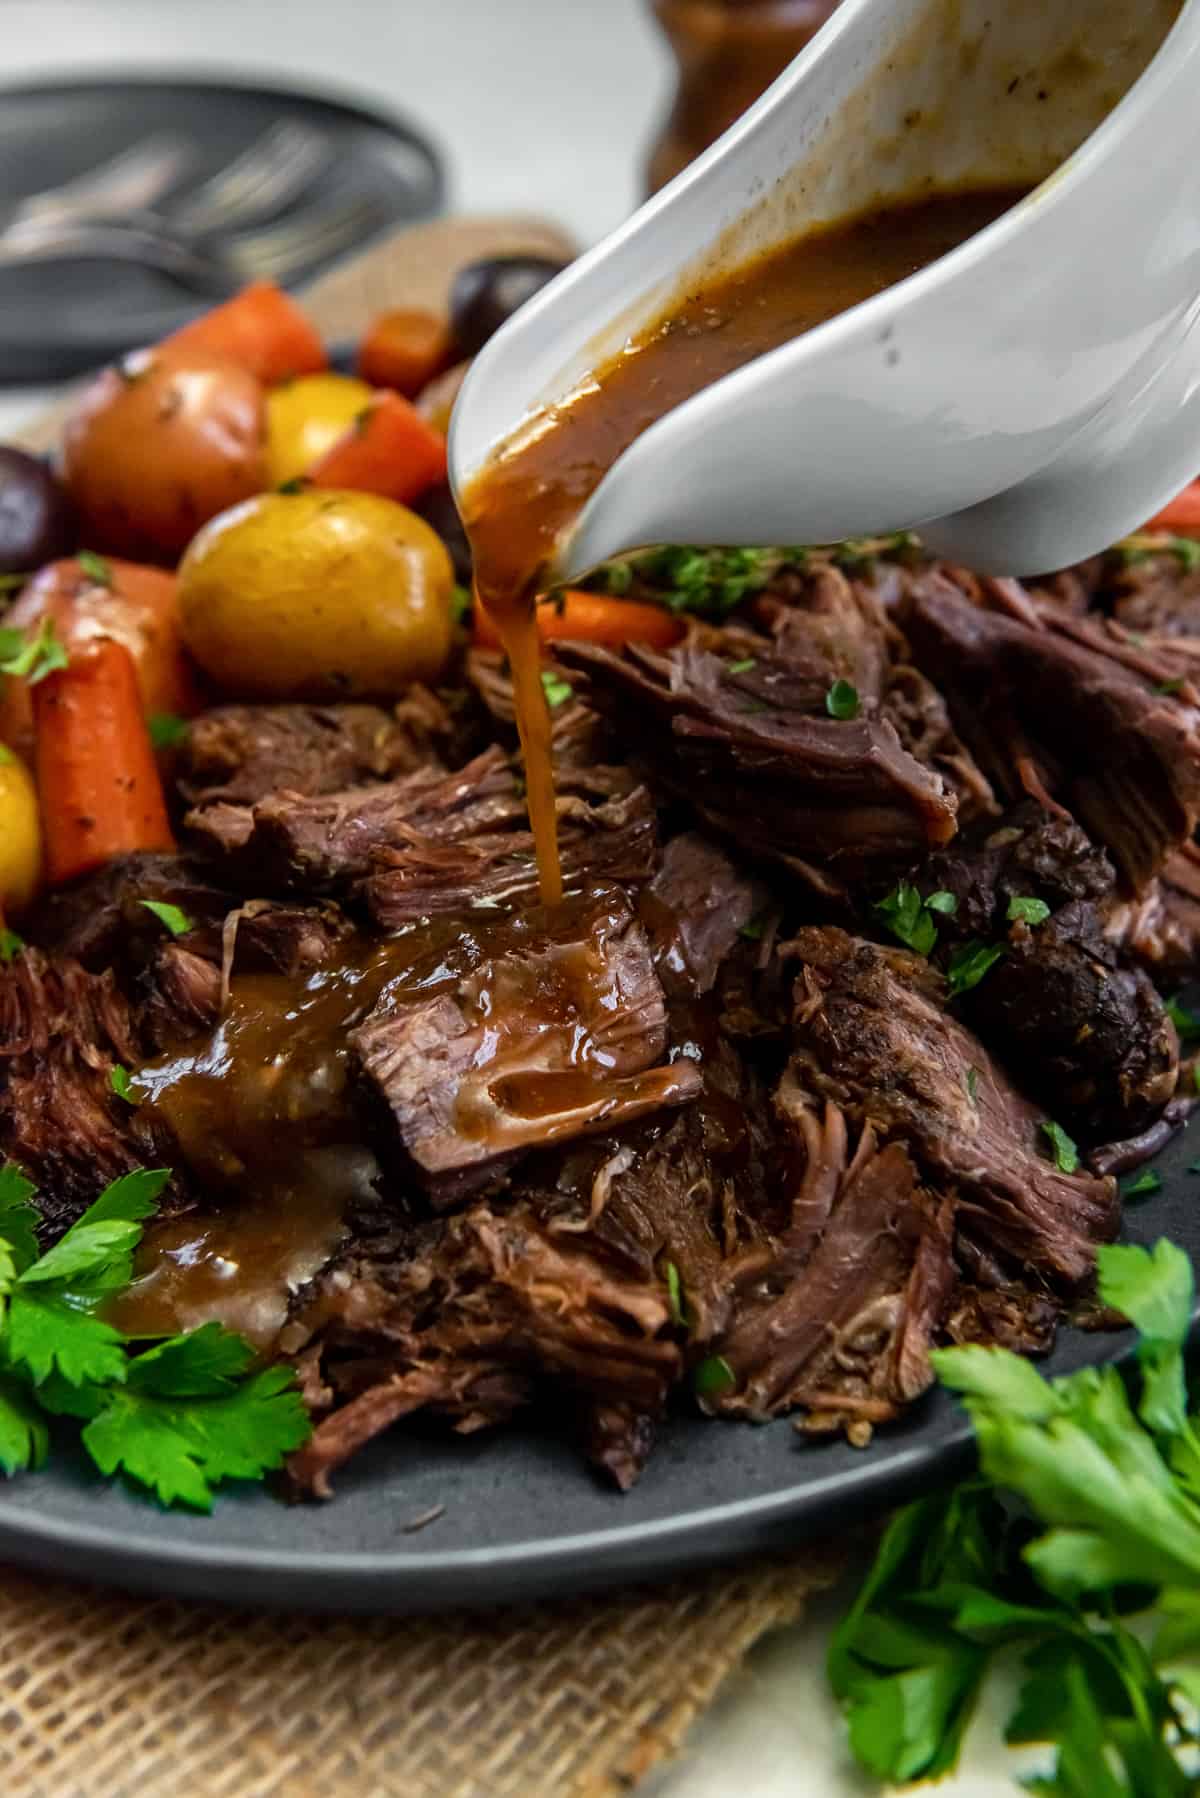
(523, 1515)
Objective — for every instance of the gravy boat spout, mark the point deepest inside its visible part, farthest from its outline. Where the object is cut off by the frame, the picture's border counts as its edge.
(1022, 402)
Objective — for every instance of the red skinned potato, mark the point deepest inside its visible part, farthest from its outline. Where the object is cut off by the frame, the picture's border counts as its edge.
(159, 445)
(130, 604)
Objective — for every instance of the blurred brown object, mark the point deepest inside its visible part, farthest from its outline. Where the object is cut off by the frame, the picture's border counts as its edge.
(729, 52)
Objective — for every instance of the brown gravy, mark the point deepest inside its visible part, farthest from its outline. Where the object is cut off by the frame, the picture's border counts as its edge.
(534, 486)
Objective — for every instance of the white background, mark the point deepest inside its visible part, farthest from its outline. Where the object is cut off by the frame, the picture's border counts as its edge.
(544, 105)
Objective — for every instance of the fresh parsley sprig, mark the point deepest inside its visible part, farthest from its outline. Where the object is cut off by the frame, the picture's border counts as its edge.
(911, 917)
(177, 1418)
(1086, 1507)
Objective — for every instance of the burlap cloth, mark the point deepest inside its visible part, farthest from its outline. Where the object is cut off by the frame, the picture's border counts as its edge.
(110, 1696)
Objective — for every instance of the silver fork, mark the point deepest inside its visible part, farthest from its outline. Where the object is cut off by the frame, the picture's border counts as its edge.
(267, 176)
(128, 182)
(208, 264)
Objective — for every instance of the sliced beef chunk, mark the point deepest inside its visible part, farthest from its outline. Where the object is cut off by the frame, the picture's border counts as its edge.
(467, 1318)
(695, 910)
(238, 754)
(579, 735)
(607, 830)
(1053, 705)
(433, 842)
(1017, 1318)
(62, 1031)
(755, 753)
(101, 920)
(872, 1035)
(841, 1317)
(1030, 853)
(1090, 1036)
(548, 1027)
(1160, 928)
(181, 996)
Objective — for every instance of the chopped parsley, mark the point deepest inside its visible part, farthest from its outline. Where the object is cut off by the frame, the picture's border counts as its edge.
(969, 965)
(95, 567)
(173, 916)
(943, 902)
(1143, 1186)
(176, 1419)
(1170, 686)
(909, 920)
(842, 701)
(33, 659)
(674, 1292)
(166, 730)
(297, 484)
(742, 667)
(1023, 910)
(712, 1375)
(11, 944)
(1066, 1153)
(460, 603)
(1147, 544)
(122, 1085)
(7, 758)
(616, 578)
(753, 931)
(973, 1085)
(556, 688)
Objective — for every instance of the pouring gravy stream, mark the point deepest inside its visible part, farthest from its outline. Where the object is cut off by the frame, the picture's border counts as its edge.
(537, 482)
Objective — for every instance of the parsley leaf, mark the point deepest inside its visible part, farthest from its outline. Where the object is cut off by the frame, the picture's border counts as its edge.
(1066, 1154)
(460, 603)
(973, 1085)
(842, 701)
(1142, 1186)
(18, 1218)
(205, 1363)
(674, 1291)
(181, 1449)
(908, 919)
(95, 567)
(970, 964)
(712, 1375)
(11, 944)
(742, 667)
(1023, 910)
(122, 1085)
(556, 688)
(24, 1438)
(175, 919)
(32, 661)
(166, 730)
(945, 903)
(46, 1334)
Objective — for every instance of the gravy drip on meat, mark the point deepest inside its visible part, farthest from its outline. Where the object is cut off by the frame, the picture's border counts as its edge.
(535, 485)
(263, 1113)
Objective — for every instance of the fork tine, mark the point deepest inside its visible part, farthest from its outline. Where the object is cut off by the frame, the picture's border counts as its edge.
(267, 175)
(127, 182)
(277, 251)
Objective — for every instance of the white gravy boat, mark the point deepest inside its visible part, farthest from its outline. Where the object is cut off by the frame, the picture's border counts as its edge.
(1023, 402)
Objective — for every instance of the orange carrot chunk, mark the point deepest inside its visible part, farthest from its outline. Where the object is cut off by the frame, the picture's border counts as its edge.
(1182, 515)
(404, 350)
(98, 783)
(389, 450)
(578, 617)
(263, 330)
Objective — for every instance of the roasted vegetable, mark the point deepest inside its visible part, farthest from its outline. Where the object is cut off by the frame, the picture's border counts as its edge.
(317, 594)
(98, 783)
(389, 449)
(306, 418)
(577, 617)
(159, 445)
(404, 350)
(90, 597)
(263, 330)
(20, 835)
(37, 522)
